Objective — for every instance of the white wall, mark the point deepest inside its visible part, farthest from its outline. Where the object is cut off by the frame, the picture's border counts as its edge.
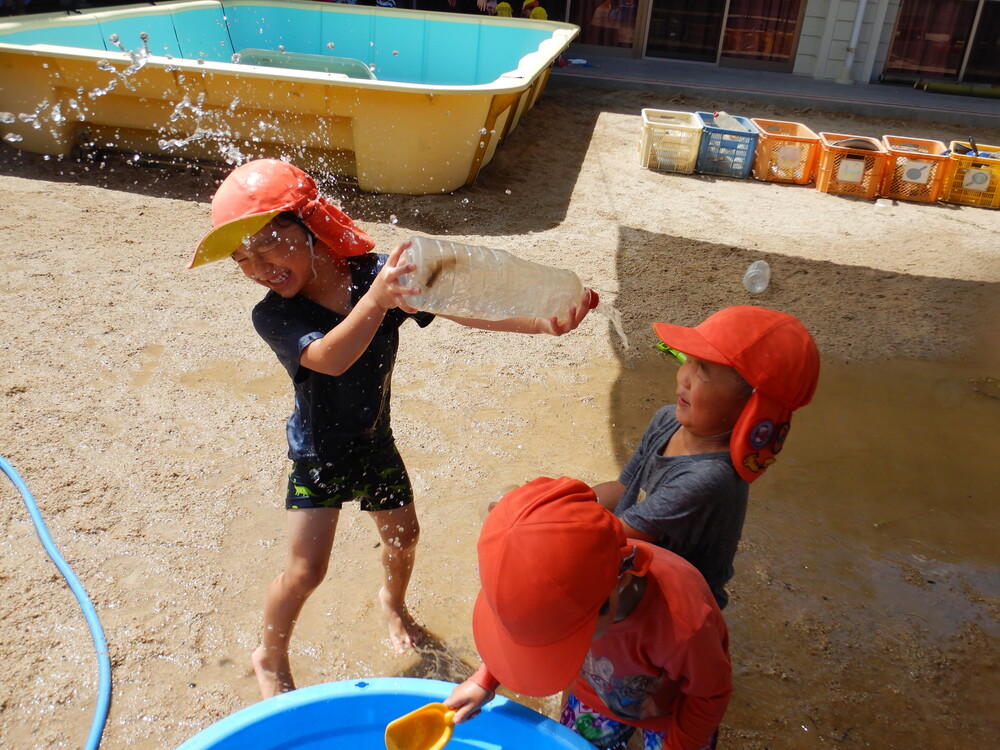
(826, 34)
(811, 38)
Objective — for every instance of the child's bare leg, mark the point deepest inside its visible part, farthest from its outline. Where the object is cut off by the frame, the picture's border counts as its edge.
(399, 531)
(310, 535)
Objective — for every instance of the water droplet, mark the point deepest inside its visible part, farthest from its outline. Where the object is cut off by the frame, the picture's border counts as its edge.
(13, 138)
(465, 201)
(507, 191)
(329, 45)
(236, 57)
(7, 117)
(393, 219)
(482, 131)
(395, 52)
(281, 48)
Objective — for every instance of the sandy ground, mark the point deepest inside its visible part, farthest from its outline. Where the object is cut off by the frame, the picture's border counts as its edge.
(147, 419)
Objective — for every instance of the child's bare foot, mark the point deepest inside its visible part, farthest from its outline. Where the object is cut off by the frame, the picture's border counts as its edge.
(404, 632)
(270, 679)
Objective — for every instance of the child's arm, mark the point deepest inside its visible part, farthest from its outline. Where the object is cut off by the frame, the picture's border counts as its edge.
(344, 343)
(706, 690)
(469, 697)
(525, 324)
(609, 493)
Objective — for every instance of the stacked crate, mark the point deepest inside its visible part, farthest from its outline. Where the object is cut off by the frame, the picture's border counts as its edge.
(972, 180)
(894, 167)
(786, 152)
(728, 153)
(669, 141)
(850, 165)
(915, 169)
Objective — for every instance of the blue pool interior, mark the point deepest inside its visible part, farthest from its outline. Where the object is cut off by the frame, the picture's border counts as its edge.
(403, 46)
(354, 714)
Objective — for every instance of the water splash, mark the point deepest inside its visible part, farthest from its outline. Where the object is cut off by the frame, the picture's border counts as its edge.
(614, 315)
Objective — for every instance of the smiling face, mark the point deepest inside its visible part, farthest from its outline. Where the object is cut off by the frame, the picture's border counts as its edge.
(279, 257)
(710, 397)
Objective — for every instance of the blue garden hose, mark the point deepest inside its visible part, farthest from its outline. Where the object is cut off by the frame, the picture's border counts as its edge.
(100, 644)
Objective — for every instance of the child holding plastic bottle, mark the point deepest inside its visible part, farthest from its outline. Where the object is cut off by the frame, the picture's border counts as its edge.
(567, 601)
(745, 370)
(332, 315)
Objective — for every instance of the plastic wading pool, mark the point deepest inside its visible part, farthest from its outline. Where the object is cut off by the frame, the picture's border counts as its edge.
(354, 713)
(441, 91)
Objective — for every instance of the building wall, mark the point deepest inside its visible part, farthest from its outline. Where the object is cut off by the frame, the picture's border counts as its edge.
(826, 33)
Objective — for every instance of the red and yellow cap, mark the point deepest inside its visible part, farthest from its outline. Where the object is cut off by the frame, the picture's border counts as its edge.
(775, 354)
(259, 190)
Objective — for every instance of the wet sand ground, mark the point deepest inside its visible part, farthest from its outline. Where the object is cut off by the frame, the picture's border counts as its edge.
(147, 419)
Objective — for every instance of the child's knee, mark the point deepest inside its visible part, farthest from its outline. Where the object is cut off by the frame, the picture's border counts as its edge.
(305, 576)
(402, 538)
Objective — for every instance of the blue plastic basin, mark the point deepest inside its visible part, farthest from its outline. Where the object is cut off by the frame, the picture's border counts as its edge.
(354, 713)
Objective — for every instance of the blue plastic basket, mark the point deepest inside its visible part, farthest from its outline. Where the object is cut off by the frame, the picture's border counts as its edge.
(728, 153)
(354, 713)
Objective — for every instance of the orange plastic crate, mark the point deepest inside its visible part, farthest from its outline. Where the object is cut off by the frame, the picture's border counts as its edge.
(972, 180)
(915, 170)
(850, 170)
(786, 152)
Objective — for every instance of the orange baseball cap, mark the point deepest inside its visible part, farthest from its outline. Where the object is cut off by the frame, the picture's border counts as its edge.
(775, 354)
(259, 190)
(549, 557)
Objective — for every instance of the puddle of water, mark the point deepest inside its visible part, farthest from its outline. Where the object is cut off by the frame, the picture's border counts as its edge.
(228, 373)
(896, 460)
(149, 359)
(877, 523)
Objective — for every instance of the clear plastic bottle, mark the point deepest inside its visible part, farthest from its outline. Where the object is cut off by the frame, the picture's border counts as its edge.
(486, 283)
(726, 121)
(757, 277)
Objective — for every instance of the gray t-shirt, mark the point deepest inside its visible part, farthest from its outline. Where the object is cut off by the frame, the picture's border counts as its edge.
(693, 506)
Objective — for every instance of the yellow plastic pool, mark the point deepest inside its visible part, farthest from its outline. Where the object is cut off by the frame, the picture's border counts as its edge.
(403, 101)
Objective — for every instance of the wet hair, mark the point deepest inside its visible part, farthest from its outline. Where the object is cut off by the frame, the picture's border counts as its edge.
(290, 217)
(747, 388)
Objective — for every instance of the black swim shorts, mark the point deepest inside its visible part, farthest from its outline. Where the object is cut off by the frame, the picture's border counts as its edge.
(373, 474)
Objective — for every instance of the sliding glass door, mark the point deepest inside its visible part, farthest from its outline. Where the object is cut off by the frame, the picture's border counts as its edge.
(983, 65)
(741, 33)
(686, 29)
(762, 34)
(950, 40)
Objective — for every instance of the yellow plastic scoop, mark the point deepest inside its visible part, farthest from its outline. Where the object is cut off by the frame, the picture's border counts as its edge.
(427, 728)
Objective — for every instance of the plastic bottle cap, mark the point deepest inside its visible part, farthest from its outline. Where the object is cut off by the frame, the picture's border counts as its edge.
(594, 299)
